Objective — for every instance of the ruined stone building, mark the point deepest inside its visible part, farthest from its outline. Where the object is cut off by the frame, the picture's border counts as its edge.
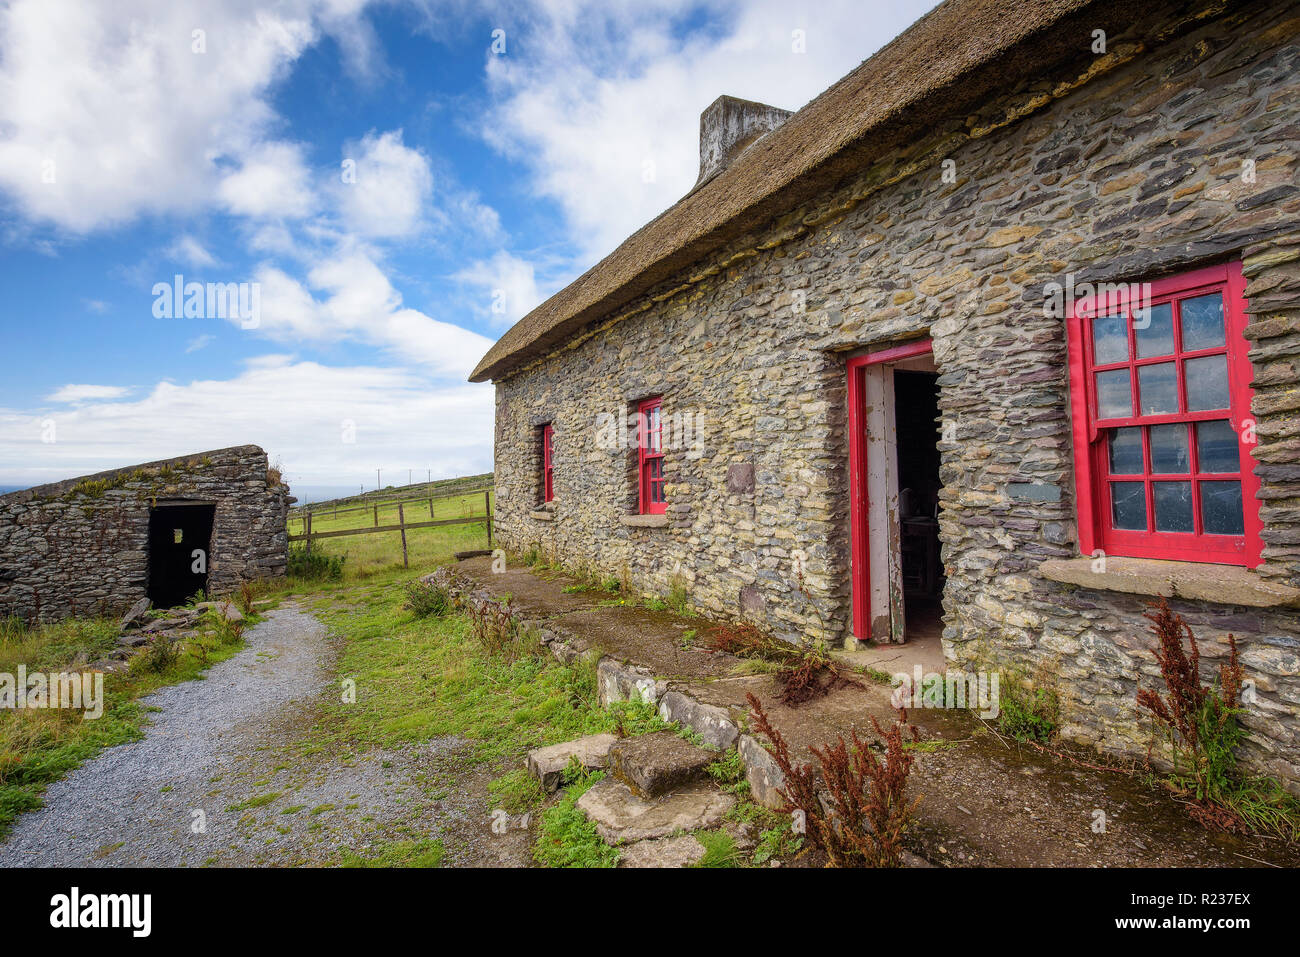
(164, 530)
(987, 345)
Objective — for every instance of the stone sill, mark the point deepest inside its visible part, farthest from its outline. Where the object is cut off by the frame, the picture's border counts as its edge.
(644, 521)
(542, 515)
(1222, 584)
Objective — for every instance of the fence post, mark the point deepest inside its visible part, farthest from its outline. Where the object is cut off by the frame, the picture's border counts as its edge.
(401, 520)
(431, 506)
(376, 516)
(487, 504)
(307, 522)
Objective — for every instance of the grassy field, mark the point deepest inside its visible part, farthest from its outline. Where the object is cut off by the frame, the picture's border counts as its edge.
(367, 555)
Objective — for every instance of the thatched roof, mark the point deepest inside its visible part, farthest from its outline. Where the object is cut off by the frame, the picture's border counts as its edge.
(950, 60)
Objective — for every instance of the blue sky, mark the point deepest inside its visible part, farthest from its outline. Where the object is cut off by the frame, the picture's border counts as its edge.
(397, 181)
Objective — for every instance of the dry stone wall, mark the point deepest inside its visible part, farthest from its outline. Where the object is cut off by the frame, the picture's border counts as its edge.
(81, 547)
(1132, 167)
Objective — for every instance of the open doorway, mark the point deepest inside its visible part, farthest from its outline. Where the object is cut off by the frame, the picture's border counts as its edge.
(894, 483)
(916, 415)
(180, 539)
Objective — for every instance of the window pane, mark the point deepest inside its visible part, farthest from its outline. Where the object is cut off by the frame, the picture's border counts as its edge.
(1158, 389)
(1169, 449)
(1221, 508)
(1128, 506)
(1125, 451)
(1202, 321)
(1109, 340)
(1114, 397)
(1173, 502)
(1216, 447)
(1154, 331)
(1207, 383)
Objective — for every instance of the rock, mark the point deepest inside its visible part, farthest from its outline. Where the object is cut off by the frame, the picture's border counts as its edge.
(682, 851)
(712, 724)
(762, 773)
(622, 816)
(155, 626)
(133, 641)
(132, 617)
(230, 612)
(620, 682)
(654, 764)
(547, 764)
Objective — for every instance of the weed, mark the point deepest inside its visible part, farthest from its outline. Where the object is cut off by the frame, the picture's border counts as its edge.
(159, 656)
(516, 792)
(314, 565)
(426, 599)
(1201, 725)
(719, 849)
(729, 772)
(862, 822)
(1027, 713)
(803, 671)
(424, 853)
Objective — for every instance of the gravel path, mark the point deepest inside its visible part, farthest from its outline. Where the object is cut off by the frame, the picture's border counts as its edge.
(221, 778)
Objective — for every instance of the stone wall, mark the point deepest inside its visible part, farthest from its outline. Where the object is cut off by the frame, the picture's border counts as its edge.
(1128, 167)
(81, 547)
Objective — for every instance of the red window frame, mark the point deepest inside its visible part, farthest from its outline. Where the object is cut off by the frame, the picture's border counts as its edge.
(650, 457)
(1092, 433)
(548, 440)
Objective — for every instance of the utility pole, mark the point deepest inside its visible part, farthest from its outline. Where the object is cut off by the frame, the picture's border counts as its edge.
(408, 476)
(378, 484)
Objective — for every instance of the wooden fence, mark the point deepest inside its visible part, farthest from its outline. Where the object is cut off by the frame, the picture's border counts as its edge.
(309, 536)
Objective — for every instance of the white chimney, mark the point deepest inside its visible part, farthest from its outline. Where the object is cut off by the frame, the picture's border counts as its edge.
(730, 125)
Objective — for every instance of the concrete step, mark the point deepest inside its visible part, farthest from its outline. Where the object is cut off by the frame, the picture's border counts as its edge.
(622, 816)
(547, 764)
(654, 764)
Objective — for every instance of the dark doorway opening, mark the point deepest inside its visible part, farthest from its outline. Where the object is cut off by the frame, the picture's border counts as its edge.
(916, 416)
(180, 537)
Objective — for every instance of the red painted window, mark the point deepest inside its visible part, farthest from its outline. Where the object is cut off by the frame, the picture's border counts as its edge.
(548, 489)
(1163, 430)
(650, 456)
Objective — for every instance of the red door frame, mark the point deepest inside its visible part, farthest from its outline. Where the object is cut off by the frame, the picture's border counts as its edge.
(859, 507)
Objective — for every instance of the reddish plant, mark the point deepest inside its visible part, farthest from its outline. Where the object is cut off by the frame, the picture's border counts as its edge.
(1199, 720)
(804, 671)
(866, 813)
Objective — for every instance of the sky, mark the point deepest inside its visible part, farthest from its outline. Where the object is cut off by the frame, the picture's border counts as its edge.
(353, 199)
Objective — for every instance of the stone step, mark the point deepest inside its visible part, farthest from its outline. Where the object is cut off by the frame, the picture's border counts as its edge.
(547, 764)
(622, 817)
(654, 764)
(681, 851)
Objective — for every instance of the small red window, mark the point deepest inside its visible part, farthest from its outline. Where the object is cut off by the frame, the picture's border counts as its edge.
(548, 489)
(1160, 395)
(650, 455)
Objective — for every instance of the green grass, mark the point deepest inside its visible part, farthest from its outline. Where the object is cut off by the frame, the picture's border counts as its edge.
(423, 853)
(567, 838)
(40, 746)
(719, 849)
(262, 800)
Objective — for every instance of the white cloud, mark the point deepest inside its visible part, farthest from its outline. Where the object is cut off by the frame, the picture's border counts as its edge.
(603, 101)
(199, 342)
(88, 393)
(191, 252)
(272, 182)
(297, 411)
(109, 113)
(507, 286)
(358, 303)
(387, 188)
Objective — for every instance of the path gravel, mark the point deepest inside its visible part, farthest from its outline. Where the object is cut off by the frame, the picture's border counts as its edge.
(221, 778)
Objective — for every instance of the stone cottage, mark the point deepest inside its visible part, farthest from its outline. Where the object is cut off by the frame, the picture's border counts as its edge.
(987, 345)
(163, 530)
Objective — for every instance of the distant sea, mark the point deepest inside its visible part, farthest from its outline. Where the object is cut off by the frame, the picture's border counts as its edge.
(306, 494)
(11, 488)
